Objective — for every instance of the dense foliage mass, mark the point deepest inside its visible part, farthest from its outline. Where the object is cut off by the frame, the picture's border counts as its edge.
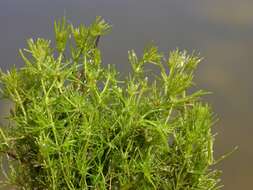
(75, 125)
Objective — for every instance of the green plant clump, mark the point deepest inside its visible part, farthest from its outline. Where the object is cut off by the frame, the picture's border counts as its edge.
(75, 125)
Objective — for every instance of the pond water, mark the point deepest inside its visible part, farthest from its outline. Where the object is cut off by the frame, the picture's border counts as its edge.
(221, 30)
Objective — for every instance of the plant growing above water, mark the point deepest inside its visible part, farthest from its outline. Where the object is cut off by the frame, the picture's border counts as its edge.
(76, 125)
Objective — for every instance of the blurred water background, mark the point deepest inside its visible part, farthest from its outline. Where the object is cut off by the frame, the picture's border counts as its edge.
(220, 30)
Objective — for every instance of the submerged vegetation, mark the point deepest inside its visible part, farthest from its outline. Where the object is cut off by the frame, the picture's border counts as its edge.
(76, 125)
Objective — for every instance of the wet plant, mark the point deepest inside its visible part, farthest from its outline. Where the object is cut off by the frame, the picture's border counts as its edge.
(76, 124)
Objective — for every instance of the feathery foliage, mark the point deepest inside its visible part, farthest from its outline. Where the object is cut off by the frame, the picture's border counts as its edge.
(75, 125)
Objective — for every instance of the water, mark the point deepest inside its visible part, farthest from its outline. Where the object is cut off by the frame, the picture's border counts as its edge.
(220, 30)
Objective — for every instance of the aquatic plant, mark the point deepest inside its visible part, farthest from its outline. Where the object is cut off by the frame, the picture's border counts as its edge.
(76, 124)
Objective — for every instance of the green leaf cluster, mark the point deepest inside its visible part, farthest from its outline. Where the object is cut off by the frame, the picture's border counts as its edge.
(76, 125)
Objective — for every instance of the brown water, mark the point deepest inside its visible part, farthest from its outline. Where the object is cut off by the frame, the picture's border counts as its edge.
(221, 30)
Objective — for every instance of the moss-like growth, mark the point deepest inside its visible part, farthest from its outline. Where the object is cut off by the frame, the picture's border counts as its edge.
(76, 126)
